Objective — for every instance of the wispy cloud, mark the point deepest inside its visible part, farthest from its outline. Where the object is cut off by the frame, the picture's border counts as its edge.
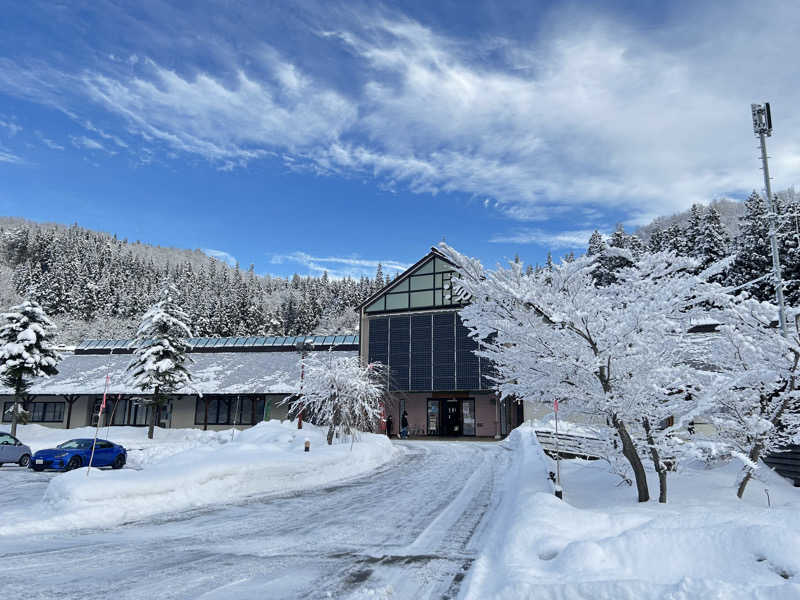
(12, 127)
(591, 112)
(82, 141)
(221, 255)
(339, 266)
(48, 142)
(554, 240)
(8, 157)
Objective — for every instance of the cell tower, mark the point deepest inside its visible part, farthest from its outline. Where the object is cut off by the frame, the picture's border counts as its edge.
(762, 127)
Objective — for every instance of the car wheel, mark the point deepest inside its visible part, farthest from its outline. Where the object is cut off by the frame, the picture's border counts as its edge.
(74, 463)
(119, 462)
(24, 460)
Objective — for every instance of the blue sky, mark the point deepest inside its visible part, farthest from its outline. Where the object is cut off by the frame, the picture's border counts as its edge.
(306, 136)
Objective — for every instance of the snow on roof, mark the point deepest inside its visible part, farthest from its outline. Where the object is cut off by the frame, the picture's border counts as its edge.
(212, 373)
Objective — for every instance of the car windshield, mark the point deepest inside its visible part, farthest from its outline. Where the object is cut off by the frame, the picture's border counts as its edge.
(73, 444)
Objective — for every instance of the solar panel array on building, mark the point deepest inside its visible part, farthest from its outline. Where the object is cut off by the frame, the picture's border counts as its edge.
(412, 326)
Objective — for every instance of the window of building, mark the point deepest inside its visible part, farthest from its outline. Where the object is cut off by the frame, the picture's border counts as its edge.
(225, 410)
(428, 286)
(41, 412)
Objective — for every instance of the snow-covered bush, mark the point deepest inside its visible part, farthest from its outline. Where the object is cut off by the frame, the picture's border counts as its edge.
(339, 393)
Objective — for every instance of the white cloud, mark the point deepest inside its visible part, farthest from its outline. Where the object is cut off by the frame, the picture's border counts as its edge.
(339, 266)
(48, 142)
(9, 157)
(11, 126)
(553, 240)
(88, 143)
(230, 123)
(221, 255)
(592, 114)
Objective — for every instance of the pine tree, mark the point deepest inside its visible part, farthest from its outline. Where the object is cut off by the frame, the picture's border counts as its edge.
(596, 244)
(753, 259)
(694, 231)
(159, 362)
(713, 242)
(674, 240)
(26, 335)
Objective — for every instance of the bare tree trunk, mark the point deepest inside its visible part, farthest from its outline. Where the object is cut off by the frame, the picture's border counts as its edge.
(17, 394)
(629, 452)
(754, 456)
(334, 422)
(660, 467)
(152, 425)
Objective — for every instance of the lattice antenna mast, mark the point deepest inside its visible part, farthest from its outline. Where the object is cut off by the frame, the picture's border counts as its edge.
(762, 127)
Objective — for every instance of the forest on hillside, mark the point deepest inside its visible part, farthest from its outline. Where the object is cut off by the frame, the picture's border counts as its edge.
(736, 231)
(95, 285)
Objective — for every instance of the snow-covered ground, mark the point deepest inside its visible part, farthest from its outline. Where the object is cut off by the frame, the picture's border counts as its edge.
(141, 450)
(601, 544)
(409, 529)
(187, 469)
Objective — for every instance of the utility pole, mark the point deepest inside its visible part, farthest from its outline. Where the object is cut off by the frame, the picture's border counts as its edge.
(762, 127)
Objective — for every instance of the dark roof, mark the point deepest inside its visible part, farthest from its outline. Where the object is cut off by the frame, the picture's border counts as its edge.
(434, 252)
(230, 344)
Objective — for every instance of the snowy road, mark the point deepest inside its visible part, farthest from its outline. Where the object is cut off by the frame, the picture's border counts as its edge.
(407, 531)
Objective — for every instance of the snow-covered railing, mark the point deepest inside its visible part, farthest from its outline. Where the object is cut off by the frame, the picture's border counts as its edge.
(569, 445)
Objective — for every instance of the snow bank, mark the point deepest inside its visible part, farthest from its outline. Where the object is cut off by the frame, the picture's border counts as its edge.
(600, 543)
(265, 459)
(141, 450)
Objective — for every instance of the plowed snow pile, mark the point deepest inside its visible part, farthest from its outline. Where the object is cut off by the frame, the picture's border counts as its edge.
(601, 544)
(265, 459)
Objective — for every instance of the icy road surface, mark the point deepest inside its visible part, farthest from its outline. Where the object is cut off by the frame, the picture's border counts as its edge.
(409, 530)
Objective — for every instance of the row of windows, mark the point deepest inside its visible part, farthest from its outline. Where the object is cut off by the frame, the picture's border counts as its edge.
(126, 412)
(41, 412)
(224, 410)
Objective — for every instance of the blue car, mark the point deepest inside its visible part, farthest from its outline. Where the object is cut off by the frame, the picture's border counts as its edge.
(75, 453)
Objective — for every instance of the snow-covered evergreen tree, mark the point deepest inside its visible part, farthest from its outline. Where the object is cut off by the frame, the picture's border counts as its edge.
(596, 244)
(339, 393)
(753, 262)
(694, 231)
(159, 365)
(26, 350)
(712, 242)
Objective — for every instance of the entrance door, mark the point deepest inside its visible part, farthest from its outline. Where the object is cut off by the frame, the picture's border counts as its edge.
(452, 418)
(433, 417)
(468, 414)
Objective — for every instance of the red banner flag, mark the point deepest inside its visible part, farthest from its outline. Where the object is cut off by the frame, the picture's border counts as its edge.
(103, 403)
(555, 405)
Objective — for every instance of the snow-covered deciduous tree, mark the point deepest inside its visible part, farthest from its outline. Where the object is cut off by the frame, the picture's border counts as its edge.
(159, 364)
(26, 351)
(339, 393)
(754, 395)
(613, 351)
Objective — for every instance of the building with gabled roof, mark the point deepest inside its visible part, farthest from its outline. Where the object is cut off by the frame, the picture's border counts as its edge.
(412, 327)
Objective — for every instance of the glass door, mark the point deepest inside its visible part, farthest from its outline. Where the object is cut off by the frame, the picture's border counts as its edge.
(433, 417)
(468, 416)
